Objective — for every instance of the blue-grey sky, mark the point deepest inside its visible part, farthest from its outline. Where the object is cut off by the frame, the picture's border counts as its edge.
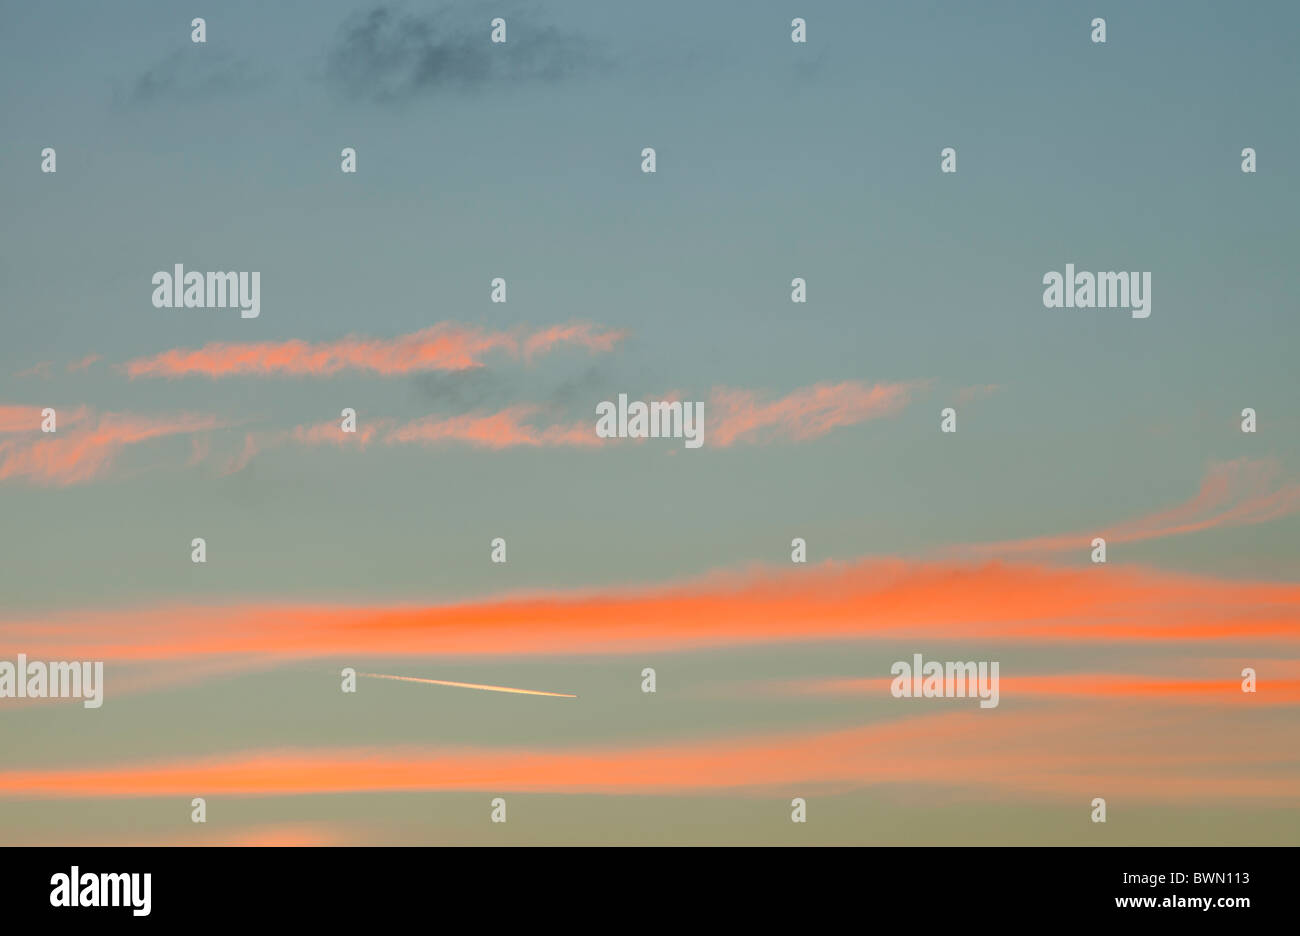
(775, 160)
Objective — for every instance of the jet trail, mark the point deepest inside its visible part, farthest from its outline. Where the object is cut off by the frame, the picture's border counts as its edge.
(469, 685)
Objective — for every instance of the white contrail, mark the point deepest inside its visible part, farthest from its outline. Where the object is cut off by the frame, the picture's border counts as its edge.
(469, 685)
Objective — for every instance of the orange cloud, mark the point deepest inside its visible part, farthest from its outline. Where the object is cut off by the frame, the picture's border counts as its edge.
(41, 369)
(84, 363)
(28, 418)
(200, 449)
(979, 392)
(326, 433)
(1050, 754)
(734, 416)
(508, 428)
(84, 453)
(738, 415)
(1235, 493)
(873, 599)
(445, 346)
(280, 835)
(504, 429)
(332, 433)
(576, 333)
(284, 834)
(1127, 687)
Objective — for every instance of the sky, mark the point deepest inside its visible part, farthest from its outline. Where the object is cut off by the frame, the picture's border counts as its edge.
(822, 421)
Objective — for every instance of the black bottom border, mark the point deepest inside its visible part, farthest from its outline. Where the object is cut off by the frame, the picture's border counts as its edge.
(655, 887)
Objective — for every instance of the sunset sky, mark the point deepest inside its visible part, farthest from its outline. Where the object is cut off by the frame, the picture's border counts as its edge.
(821, 421)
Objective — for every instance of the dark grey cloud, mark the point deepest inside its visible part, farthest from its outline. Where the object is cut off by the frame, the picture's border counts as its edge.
(194, 75)
(388, 55)
(466, 390)
(482, 388)
(583, 389)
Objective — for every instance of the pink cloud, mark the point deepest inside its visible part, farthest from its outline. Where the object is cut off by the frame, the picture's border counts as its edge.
(979, 392)
(84, 363)
(1235, 493)
(736, 416)
(447, 346)
(36, 370)
(88, 451)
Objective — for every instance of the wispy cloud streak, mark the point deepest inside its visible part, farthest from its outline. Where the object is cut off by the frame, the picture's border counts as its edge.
(873, 599)
(446, 346)
(84, 363)
(87, 452)
(1048, 754)
(27, 419)
(739, 416)
(1237, 493)
(1102, 687)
